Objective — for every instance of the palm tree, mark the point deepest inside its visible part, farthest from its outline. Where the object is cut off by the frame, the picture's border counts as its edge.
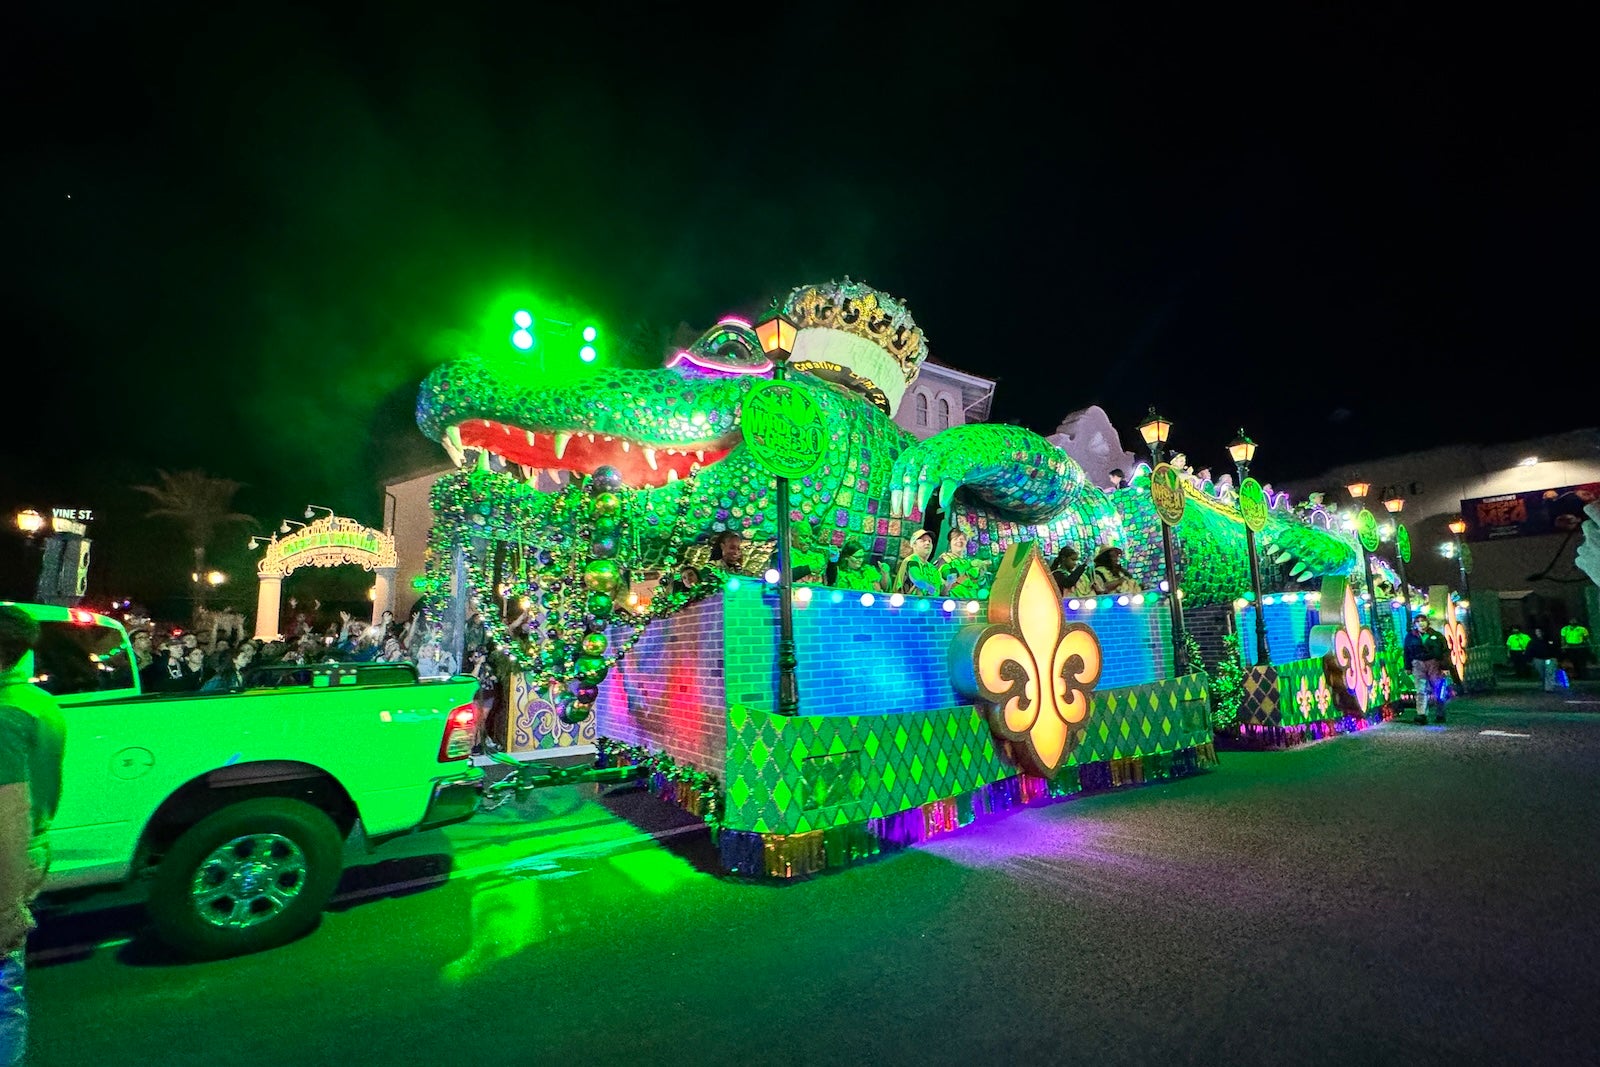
(200, 504)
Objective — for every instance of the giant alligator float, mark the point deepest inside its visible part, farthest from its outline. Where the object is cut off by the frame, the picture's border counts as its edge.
(682, 473)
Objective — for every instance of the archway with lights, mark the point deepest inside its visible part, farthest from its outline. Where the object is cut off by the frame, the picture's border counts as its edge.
(331, 541)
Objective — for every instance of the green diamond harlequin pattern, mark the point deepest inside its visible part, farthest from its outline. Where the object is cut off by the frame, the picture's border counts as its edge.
(1259, 699)
(788, 775)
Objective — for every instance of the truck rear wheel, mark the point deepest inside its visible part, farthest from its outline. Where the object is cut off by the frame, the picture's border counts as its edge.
(252, 876)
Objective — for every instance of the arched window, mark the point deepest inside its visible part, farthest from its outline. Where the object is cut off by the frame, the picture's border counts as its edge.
(944, 413)
(922, 408)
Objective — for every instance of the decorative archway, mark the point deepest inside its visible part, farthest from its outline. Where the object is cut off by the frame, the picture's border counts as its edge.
(331, 541)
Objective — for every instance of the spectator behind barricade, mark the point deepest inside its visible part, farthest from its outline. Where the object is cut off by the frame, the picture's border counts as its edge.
(230, 678)
(1073, 575)
(143, 654)
(1109, 574)
(368, 645)
(165, 673)
(194, 670)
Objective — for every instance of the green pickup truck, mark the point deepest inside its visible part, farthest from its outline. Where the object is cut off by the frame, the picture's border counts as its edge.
(235, 807)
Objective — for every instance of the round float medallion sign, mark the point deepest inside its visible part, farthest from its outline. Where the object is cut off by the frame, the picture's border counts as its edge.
(1367, 530)
(1166, 492)
(1402, 543)
(785, 429)
(1253, 504)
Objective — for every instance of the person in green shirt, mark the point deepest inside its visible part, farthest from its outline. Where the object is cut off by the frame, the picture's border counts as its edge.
(1517, 646)
(1575, 648)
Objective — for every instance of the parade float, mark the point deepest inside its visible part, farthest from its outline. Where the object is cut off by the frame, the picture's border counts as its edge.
(816, 723)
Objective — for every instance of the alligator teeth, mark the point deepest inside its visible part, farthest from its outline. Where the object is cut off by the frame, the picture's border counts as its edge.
(589, 437)
(529, 474)
(672, 475)
(700, 454)
(672, 451)
(608, 437)
(483, 460)
(485, 423)
(452, 445)
(533, 438)
(650, 457)
(625, 444)
(559, 440)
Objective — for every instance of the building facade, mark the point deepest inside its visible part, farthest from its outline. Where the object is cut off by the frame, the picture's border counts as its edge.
(942, 397)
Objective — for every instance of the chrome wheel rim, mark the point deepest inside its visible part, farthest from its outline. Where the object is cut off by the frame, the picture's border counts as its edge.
(248, 881)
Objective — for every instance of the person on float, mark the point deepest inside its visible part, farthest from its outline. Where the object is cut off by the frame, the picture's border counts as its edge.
(1118, 477)
(1072, 574)
(727, 551)
(1575, 648)
(959, 574)
(852, 572)
(916, 576)
(1110, 576)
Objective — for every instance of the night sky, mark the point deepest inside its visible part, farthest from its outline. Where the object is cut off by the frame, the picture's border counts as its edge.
(237, 242)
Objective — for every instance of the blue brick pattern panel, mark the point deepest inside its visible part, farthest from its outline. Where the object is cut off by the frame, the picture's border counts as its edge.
(1135, 638)
(1290, 618)
(855, 659)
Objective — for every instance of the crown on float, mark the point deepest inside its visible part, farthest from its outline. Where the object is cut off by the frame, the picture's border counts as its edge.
(857, 308)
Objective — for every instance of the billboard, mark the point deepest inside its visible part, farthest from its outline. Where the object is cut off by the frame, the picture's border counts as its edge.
(1530, 514)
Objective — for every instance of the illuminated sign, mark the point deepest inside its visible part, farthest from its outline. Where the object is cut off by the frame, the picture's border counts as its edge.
(785, 428)
(1033, 670)
(1542, 511)
(1252, 505)
(1166, 492)
(329, 542)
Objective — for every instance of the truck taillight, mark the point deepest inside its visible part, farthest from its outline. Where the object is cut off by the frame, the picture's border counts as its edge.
(459, 728)
(81, 617)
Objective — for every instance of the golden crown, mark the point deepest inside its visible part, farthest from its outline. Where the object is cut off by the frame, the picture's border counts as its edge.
(858, 308)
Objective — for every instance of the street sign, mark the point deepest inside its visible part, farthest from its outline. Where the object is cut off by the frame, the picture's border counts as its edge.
(1252, 504)
(1166, 492)
(1402, 542)
(1367, 530)
(785, 428)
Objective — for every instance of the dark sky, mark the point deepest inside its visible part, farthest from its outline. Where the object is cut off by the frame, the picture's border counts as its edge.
(238, 241)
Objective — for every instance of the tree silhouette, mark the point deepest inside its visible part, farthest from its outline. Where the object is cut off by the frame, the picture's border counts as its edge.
(200, 504)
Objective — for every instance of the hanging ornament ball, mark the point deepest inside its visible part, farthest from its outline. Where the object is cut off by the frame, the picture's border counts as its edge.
(606, 504)
(604, 546)
(602, 576)
(573, 714)
(586, 692)
(590, 668)
(605, 525)
(600, 604)
(605, 480)
(594, 644)
(593, 624)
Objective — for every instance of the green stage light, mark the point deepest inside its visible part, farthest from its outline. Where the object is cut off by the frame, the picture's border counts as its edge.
(589, 333)
(587, 353)
(522, 319)
(522, 339)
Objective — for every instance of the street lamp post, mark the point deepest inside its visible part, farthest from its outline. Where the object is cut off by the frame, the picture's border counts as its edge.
(1458, 526)
(1243, 450)
(1154, 429)
(1358, 492)
(777, 333)
(1393, 505)
(32, 524)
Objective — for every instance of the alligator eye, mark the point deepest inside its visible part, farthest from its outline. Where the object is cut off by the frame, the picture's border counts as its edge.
(729, 347)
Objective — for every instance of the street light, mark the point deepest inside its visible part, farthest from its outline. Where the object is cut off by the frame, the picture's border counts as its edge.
(215, 577)
(1154, 429)
(1393, 505)
(1358, 490)
(1243, 450)
(776, 333)
(29, 521)
(283, 527)
(311, 508)
(1458, 526)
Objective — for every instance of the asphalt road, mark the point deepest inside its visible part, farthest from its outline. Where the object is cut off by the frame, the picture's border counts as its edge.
(1406, 895)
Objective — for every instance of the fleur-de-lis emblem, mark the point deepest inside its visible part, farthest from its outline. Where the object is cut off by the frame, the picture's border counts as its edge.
(1034, 670)
(1384, 683)
(1324, 695)
(1455, 637)
(1355, 652)
(1303, 698)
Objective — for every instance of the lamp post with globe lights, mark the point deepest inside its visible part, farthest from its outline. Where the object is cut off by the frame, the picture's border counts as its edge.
(1402, 548)
(777, 334)
(1457, 527)
(1366, 526)
(1243, 450)
(1154, 429)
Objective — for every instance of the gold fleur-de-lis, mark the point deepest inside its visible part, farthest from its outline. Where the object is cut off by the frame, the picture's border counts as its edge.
(1304, 697)
(1356, 652)
(1035, 671)
(1324, 694)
